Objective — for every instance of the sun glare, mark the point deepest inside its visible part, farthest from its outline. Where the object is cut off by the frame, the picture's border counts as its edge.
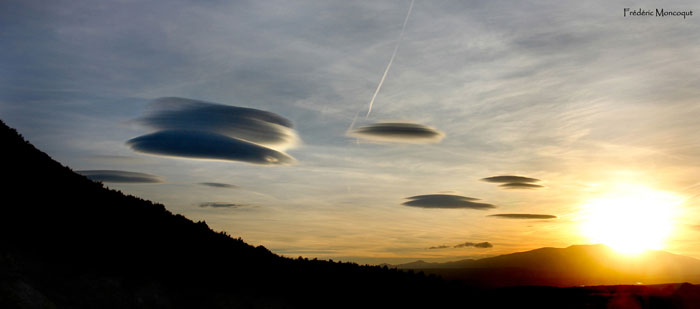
(630, 220)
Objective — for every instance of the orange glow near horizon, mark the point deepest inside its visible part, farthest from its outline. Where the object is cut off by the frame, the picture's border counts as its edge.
(631, 219)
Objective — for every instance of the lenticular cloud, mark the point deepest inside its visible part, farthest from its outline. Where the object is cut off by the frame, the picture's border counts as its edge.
(203, 130)
(401, 132)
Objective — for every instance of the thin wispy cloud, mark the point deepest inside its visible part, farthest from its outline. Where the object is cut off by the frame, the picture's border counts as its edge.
(220, 205)
(439, 247)
(524, 216)
(520, 185)
(218, 185)
(480, 245)
(117, 176)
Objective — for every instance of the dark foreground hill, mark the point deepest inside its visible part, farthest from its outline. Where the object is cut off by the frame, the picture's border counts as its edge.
(68, 242)
(572, 266)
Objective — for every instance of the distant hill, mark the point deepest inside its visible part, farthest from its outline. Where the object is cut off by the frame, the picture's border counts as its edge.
(68, 242)
(572, 266)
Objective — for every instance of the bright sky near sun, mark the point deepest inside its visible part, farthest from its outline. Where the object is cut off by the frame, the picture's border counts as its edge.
(599, 109)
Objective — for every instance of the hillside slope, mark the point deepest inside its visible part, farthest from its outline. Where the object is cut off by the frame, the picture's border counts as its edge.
(66, 241)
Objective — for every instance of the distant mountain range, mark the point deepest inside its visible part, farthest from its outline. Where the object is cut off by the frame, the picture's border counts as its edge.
(572, 266)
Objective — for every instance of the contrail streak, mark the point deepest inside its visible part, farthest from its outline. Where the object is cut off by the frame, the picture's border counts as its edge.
(352, 125)
(393, 55)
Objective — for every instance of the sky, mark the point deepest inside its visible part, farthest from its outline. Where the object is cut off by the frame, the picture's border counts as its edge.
(253, 116)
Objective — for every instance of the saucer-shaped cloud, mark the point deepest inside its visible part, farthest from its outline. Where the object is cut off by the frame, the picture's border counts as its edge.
(206, 145)
(510, 179)
(218, 185)
(520, 185)
(248, 124)
(203, 130)
(220, 205)
(120, 176)
(448, 201)
(524, 216)
(401, 132)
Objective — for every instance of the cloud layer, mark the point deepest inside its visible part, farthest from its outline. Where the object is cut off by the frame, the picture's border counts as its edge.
(402, 132)
(524, 216)
(447, 201)
(117, 176)
(203, 130)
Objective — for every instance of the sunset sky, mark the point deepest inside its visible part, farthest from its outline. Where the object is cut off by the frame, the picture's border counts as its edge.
(600, 112)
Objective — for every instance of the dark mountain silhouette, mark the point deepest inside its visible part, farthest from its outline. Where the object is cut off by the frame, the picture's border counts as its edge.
(68, 242)
(572, 266)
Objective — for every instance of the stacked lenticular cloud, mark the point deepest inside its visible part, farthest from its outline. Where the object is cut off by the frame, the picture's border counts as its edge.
(514, 182)
(203, 130)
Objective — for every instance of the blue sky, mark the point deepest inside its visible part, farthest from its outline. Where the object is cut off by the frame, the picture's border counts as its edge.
(570, 93)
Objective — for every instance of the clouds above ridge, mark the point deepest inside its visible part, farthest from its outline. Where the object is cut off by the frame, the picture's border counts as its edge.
(203, 130)
(117, 176)
(507, 88)
(446, 201)
(399, 132)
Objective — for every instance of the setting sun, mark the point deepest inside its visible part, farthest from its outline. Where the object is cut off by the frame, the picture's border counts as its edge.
(631, 219)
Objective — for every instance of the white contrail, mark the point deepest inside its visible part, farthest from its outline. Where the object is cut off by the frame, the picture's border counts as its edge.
(393, 55)
(352, 125)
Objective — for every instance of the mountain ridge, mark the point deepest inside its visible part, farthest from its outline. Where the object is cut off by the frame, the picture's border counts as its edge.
(571, 266)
